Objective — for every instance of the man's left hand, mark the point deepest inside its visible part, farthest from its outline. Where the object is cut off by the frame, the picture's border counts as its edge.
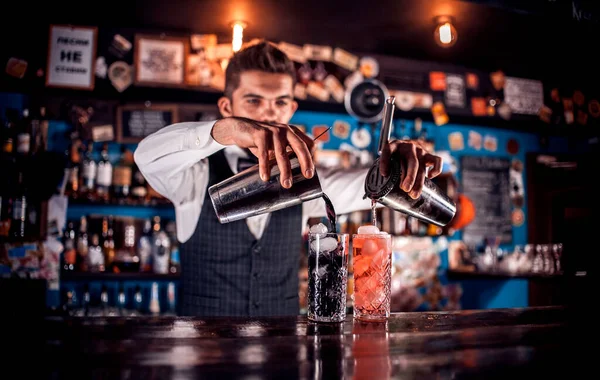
(414, 161)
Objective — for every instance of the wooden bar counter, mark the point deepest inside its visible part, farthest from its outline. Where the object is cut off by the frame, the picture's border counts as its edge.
(540, 343)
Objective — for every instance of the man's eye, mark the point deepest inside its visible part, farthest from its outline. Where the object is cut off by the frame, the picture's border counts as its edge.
(281, 103)
(253, 101)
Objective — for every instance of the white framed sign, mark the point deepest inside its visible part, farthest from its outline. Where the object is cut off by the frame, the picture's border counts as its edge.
(71, 57)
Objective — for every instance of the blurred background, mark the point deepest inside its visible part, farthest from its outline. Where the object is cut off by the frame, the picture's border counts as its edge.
(505, 91)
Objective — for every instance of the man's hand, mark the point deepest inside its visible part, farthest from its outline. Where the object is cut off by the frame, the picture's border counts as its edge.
(266, 140)
(414, 161)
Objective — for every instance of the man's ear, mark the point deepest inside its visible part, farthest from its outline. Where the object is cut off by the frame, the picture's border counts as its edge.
(294, 106)
(225, 107)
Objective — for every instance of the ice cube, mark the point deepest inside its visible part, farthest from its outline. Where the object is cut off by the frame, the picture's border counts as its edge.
(321, 271)
(368, 229)
(327, 244)
(370, 248)
(319, 229)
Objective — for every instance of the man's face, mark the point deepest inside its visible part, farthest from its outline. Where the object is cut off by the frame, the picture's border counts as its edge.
(262, 96)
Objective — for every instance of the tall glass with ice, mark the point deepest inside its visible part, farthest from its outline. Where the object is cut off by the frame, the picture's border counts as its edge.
(327, 274)
(372, 264)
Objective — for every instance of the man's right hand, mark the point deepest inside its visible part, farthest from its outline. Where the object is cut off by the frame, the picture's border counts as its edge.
(266, 140)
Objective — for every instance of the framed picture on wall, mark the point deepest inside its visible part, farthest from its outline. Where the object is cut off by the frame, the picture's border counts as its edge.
(160, 60)
(71, 57)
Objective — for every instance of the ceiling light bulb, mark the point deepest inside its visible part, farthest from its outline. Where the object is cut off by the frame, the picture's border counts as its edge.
(238, 35)
(445, 33)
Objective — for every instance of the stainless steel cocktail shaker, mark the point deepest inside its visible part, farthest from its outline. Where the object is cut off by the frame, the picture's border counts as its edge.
(246, 194)
(433, 206)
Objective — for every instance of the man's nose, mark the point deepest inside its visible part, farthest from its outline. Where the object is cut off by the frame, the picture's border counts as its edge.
(269, 115)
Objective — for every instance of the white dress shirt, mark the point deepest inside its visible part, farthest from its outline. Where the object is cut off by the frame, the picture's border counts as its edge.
(174, 162)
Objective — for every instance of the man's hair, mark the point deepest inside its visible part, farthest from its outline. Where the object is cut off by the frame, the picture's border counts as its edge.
(263, 56)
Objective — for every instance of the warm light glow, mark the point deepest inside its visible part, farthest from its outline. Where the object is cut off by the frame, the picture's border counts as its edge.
(445, 33)
(238, 35)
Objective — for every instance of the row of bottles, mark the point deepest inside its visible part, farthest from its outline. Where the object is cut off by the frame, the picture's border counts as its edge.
(101, 180)
(124, 304)
(121, 246)
(23, 136)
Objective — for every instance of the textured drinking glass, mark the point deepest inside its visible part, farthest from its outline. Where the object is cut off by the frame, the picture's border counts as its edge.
(327, 276)
(372, 265)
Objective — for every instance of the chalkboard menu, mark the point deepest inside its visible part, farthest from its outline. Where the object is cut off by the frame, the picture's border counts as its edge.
(485, 180)
(134, 122)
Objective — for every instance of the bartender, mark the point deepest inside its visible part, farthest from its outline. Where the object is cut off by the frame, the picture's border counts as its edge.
(250, 267)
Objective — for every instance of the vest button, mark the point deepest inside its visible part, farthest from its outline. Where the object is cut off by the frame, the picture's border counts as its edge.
(256, 249)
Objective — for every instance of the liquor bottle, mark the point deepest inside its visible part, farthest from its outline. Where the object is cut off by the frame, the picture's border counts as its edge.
(88, 173)
(144, 247)
(127, 259)
(82, 245)
(174, 262)
(86, 301)
(122, 302)
(171, 299)
(9, 130)
(5, 213)
(24, 134)
(41, 137)
(109, 246)
(104, 309)
(138, 301)
(69, 252)
(139, 187)
(95, 255)
(122, 176)
(154, 301)
(73, 164)
(19, 224)
(69, 303)
(104, 175)
(161, 249)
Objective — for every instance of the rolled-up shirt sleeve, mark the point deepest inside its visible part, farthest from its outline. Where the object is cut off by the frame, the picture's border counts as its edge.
(174, 162)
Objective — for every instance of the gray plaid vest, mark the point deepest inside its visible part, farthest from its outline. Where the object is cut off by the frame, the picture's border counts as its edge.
(227, 272)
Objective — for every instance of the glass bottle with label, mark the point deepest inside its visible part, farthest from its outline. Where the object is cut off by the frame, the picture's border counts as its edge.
(161, 249)
(69, 254)
(73, 164)
(139, 188)
(8, 132)
(122, 302)
(174, 262)
(41, 139)
(154, 301)
(138, 301)
(127, 259)
(24, 134)
(19, 223)
(122, 176)
(95, 255)
(171, 299)
(82, 245)
(104, 175)
(88, 173)
(144, 247)
(5, 213)
(109, 246)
